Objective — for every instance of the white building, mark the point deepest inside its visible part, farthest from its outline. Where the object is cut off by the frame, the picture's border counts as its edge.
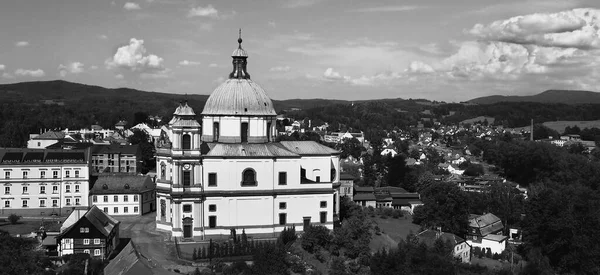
(232, 175)
(124, 194)
(42, 182)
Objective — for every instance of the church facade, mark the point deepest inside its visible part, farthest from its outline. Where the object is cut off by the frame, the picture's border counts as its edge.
(227, 172)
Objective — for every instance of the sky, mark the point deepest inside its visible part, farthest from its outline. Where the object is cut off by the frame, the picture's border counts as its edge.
(340, 49)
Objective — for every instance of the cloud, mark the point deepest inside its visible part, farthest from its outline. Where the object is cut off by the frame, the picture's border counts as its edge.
(7, 76)
(419, 67)
(119, 76)
(333, 75)
(134, 57)
(398, 8)
(527, 6)
(272, 24)
(103, 36)
(189, 63)
(30, 73)
(280, 69)
(213, 65)
(131, 6)
(71, 68)
(578, 28)
(208, 11)
(300, 3)
(2, 67)
(22, 44)
(93, 67)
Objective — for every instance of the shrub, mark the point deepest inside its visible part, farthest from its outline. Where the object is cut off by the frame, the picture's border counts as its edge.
(315, 237)
(496, 256)
(13, 218)
(320, 256)
(397, 214)
(388, 211)
(288, 235)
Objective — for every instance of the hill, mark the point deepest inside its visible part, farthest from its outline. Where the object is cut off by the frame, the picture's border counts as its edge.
(550, 96)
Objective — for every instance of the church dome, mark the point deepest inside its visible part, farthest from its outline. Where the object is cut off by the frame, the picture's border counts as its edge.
(239, 95)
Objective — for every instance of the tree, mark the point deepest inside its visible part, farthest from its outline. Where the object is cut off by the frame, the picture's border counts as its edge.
(141, 138)
(397, 169)
(18, 256)
(474, 170)
(351, 147)
(315, 238)
(269, 259)
(445, 205)
(14, 218)
(337, 267)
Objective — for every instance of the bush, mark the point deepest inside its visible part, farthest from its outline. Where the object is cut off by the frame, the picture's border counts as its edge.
(288, 235)
(388, 211)
(397, 214)
(316, 237)
(320, 256)
(13, 218)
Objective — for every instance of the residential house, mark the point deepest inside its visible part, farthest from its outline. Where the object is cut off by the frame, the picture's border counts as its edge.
(41, 141)
(92, 232)
(460, 248)
(389, 150)
(116, 158)
(43, 182)
(363, 196)
(346, 185)
(124, 194)
(485, 231)
(130, 262)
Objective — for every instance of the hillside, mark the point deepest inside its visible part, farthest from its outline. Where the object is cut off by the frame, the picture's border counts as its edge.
(550, 96)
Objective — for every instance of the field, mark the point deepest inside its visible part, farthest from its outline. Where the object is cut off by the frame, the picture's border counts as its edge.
(560, 126)
(25, 227)
(393, 230)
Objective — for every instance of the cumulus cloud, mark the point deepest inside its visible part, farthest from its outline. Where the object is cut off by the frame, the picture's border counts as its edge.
(30, 73)
(131, 6)
(7, 76)
(419, 67)
(119, 76)
(213, 65)
(103, 36)
(188, 63)
(22, 44)
(397, 8)
(208, 11)
(578, 28)
(71, 68)
(330, 74)
(134, 57)
(2, 67)
(280, 69)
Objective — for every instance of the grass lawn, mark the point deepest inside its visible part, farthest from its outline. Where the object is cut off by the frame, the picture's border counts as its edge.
(496, 265)
(22, 227)
(392, 231)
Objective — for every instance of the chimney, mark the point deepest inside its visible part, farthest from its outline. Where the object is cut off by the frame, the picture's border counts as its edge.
(531, 134)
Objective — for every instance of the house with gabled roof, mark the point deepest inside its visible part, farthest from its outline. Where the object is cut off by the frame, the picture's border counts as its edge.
(460, 248)
(92, 232)
(130, 262)
(485, 231)
(124, 194)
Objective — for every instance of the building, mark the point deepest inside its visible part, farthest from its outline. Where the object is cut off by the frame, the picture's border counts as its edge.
(346, 188)
(460, 248)
(116, 158)
(88, 231)
(43, 182)
(124, 194)
(229, 173)
(41, 141)
(364, 196)
(485, 231)
(130, 262)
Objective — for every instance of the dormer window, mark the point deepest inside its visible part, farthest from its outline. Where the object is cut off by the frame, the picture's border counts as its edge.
(126, 186)
(249, 177)
(104, 186)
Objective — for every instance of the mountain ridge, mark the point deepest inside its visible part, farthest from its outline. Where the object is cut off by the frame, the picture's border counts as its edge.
(548, 96)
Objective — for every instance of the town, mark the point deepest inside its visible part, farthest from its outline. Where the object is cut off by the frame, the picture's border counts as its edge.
(170, 177)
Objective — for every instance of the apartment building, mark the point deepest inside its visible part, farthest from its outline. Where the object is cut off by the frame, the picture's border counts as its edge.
(116, 158)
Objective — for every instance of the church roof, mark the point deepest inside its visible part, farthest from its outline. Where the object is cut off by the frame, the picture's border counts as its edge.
(184, 110)
(248, 150)
(308, 148)
(239, 97)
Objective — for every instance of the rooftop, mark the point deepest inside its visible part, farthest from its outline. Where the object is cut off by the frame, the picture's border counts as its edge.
(308, 148)
(101, 221)
(248, 150)
(430, 236)
(122, 184)
(115, 149)
(129, 262)
(36, 156)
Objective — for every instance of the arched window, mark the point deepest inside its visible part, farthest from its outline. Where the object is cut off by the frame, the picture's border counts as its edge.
(249, 177)
(186, 142)
(163, 171)
(215, 131)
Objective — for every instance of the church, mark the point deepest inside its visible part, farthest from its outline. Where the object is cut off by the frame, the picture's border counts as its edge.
(227, 171)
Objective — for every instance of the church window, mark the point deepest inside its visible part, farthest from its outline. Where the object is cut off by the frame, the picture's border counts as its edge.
(249, 177)
(212, 179)
(269, 131)
(282, 218)
(244, 132)
(187, 208)
(333, 174)
(282, 178)
(186, 142)
(215, 131)
(212, 221)
(187, 178)
(163, 171)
